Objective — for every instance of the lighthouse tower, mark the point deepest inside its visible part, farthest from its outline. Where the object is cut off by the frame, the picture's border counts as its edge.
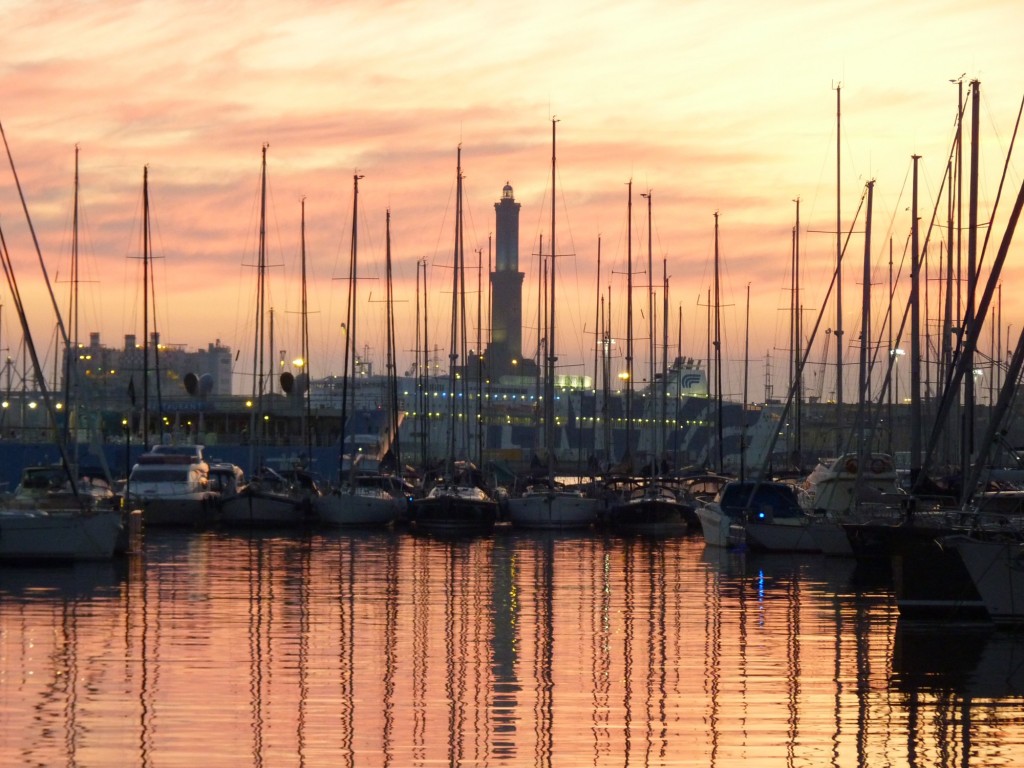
(505, 352)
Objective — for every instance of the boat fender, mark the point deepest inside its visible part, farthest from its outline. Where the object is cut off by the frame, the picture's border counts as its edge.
(851, 466)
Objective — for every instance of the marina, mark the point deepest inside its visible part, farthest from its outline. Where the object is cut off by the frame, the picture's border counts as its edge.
(472, 386)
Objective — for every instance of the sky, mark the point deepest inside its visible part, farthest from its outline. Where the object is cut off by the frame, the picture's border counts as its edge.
(717, 106)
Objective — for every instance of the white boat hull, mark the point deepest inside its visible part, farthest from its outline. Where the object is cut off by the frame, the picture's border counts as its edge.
(186, 509)
(997, 570)
(715, 525)
(831, 538)
(787, 535)
(552, 511)
(72, 535)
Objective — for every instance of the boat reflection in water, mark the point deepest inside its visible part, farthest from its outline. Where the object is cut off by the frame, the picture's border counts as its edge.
(381, 648)
(959, 666)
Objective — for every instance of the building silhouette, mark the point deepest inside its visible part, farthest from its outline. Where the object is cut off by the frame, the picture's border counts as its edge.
(103, 373)
(503, 359)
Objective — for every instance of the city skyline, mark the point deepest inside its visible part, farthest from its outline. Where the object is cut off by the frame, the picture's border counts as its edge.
(709, 109)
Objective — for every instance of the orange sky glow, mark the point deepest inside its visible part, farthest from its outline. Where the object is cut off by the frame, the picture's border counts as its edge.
(709, 106)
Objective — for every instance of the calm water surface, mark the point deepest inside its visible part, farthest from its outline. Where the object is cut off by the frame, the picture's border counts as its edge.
(369, 649)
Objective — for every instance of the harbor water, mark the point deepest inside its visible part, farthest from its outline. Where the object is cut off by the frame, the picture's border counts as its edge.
(391, 649)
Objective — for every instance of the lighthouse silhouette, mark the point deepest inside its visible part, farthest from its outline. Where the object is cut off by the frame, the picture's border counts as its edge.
(505, 350)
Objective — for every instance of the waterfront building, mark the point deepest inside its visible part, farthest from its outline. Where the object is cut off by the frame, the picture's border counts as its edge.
(102, 374)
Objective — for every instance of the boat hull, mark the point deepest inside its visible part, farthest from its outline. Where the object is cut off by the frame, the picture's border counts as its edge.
(931, 581)
(830, 537)
(343, 509)
(552, 511)
(651, 516)
(454, 515)
(786, 535)
(715, 525)
(184, 510)
(59, 536)
(263, 509)
(996, 569)
(883, 540)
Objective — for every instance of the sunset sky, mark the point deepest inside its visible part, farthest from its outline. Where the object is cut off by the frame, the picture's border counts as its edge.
(710, 105)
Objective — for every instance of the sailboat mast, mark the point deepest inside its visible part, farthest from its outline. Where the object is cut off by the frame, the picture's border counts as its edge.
(797, 322)
(490, 335)
(540, 368)
(261, 317)
(549, 374)
(392, 373)
(678, 380)
(256, 416)
(839, 277)
(967, 447)
(598, 336)
(479, 415)
(719, 427)
(864, 397)
(629, 322)
(915, 337)
(961, 107)
(423, 358)
(891, 353)
(606, 372)
(349, 356)
(306, 414)
(746, 371)
(418, 352)
(663, 410)
(649, 196)
(463, 334)
(145, 308)
(453, 355)
(71, 347)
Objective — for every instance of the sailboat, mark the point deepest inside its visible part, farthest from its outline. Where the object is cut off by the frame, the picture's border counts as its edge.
(269, 499)
(549, 505)
(653, 506)
(457, 503)
(359, 499)
(48, 484)
(70, 523)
